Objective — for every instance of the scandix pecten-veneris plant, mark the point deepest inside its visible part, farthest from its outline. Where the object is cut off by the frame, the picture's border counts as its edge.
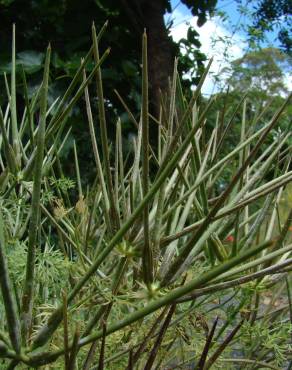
(146, 269)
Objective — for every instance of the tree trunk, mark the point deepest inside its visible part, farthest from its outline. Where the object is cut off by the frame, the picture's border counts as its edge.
(149, 15)
(160, 58)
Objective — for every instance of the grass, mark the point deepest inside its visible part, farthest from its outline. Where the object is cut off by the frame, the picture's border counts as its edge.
(154, 265)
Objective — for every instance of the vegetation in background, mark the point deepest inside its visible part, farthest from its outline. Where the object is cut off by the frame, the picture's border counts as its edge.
(55, 21)
(262, 73)
(270, 14)
(260, 77)
(152, 264)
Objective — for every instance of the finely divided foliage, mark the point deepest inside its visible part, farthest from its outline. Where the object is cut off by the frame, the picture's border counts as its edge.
(155, 264)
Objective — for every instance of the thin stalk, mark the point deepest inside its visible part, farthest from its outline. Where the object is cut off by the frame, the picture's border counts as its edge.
(122, 177)
(222, 346)
(90, 356)
(70, 89)
(242, 158)
(176, 293)
(165, 354)
(217, 166)
(66, 333)
(7, 148)
(186, 114)
(127, 109)
(256, 262)
(161, 334)
(147, 257)
(193, 240)
(96, 155)
(135, 173)
(15, 137)
(130, 363)
(147, 338)
(254, 229)
(156, 234)
(222, 137)
(172, 99)
(28, 109)
(61, 230)
(74, 351)
(121, 270)
(102, 349)
(103, 135)
(46, 331)
(8, 299)
(77, 171)
(77, 75)
(166, 240)
(132, 118)
(28, 292)
(256, 177)
(207, 346)
(90, 222)
(236, 282)
(54, 123)
(256, 194)
(284, 231)
(290, 312)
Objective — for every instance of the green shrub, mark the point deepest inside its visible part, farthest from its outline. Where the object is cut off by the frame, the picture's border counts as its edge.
(155, 264)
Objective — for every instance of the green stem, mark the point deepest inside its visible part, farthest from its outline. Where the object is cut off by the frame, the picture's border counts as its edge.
(147, 258)
(209, 218)
(28, 292)
(172, 296)
(167, 299)
(8, 299)
(15, 137)
(103, 135)
(29, 117)
(7, 148)
(96, 155)
(77, 171)
(236, 282)
(61, 119)
(47, 330)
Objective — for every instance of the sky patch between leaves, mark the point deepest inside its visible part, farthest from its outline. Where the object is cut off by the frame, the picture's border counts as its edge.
(217, 40)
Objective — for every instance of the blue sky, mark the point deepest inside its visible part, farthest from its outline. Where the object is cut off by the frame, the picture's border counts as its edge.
(230, 7)
(222, 40)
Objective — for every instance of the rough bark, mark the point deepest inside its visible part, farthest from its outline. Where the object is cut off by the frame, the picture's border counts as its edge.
(159, 50)
(149, 15)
